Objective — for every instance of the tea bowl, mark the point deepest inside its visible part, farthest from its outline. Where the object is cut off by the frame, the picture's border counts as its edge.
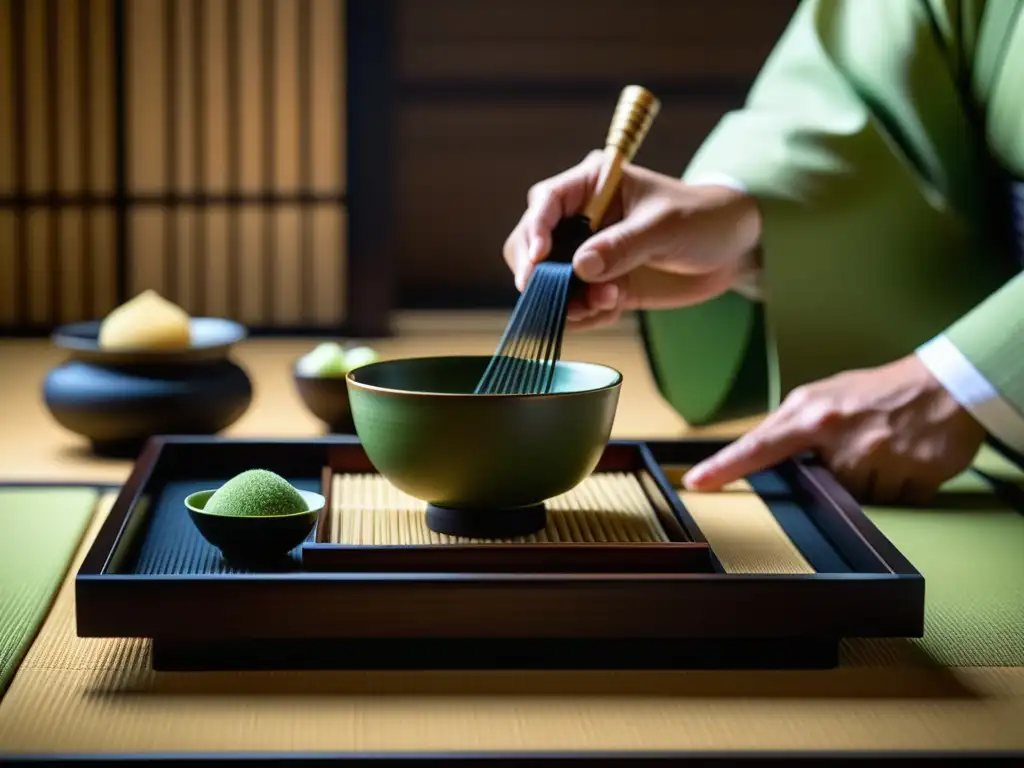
(485, 464)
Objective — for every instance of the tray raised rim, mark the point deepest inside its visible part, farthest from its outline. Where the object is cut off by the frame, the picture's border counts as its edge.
(884, 599)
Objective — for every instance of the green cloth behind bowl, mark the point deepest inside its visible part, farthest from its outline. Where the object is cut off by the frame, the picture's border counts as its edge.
(40, 530)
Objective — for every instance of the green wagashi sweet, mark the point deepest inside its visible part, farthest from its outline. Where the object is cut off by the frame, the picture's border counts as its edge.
(256, 493)
(359, 356)
(330, 359)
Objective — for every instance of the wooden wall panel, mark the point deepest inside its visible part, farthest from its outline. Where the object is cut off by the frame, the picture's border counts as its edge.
(236, 67)
(57, 143)
(183, 254)
(234, 149)
(252, 75)
(464, 171)
(605, 39)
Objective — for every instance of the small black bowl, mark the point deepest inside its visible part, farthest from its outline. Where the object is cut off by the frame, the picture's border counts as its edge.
(118, 399)
(242, 538)
(326, 397)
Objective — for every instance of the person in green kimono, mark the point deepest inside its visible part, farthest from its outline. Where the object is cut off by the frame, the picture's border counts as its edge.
(839, 252)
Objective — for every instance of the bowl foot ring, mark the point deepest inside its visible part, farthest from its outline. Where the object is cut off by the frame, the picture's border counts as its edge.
(487, 523)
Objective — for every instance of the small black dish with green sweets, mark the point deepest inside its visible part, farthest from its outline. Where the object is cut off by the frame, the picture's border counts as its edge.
(255, 516)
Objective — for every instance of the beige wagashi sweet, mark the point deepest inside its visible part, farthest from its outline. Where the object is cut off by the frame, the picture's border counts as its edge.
(149, 321)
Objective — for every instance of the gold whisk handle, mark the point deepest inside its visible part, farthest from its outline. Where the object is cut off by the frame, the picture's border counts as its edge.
(634, 114)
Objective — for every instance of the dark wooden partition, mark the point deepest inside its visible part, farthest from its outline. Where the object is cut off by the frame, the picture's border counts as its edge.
(495, 95)
(201, 148)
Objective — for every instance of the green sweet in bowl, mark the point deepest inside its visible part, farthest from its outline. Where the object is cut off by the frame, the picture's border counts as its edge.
(430, 436)
(319, 377)
(255, 515)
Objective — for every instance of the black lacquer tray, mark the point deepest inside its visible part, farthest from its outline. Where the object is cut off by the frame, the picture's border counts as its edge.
(150, 574)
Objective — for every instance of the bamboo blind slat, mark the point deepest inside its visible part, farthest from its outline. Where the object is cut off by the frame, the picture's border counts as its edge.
(329, 234)
(38, 244)
(148, 240)
(7, 268)
(70, 226)
(186, 69)
(217, 274)
(6, 102)
(328, 93)
(252, 127)
(214, 87)
(69, 126)
(35, 74)
(99, 88)
(104, 261)
(284, 80)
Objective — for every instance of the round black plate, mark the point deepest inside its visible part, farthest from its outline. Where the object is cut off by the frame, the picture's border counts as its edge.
(212, 339)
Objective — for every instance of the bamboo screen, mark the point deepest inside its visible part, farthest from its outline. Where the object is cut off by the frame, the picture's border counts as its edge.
(196, 147)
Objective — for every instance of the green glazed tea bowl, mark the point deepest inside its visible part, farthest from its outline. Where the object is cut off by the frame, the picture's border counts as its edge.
(427, 433)
(253, 537)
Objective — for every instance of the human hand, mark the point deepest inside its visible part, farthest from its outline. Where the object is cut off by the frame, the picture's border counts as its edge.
(891, 435)
(665, 244)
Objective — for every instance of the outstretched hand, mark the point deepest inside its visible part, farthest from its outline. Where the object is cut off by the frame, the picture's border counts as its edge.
(891, 435)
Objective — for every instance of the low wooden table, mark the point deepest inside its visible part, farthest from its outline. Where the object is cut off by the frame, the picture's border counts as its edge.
(96, 696)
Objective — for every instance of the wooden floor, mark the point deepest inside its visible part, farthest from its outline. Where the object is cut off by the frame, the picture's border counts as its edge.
(34, 447)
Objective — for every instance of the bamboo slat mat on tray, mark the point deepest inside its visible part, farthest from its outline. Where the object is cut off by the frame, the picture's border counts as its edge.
(608, 507)
(98, 695)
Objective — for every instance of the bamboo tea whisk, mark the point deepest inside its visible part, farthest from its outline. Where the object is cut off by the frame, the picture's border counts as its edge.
(524, 363)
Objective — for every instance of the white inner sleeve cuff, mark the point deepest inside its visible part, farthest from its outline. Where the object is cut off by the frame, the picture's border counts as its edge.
(969, 387)
(717, 180)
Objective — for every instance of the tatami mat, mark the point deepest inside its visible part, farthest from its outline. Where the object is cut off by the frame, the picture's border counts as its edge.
(40, 529)
(98, 695)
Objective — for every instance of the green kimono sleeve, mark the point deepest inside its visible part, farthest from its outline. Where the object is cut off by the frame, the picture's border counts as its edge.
(856, 144)
(991, 338)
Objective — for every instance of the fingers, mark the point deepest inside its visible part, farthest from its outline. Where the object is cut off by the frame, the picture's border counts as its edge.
(887, 488)
(593, 320)
(597, 305)
(918, 493)
(644, 288)
(547, 203)
(858, 481)
(514, 252)
(620, 248)
(779, 437)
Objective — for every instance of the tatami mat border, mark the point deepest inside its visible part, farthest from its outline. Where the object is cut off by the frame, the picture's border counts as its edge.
(99, 487)
(689, 759)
